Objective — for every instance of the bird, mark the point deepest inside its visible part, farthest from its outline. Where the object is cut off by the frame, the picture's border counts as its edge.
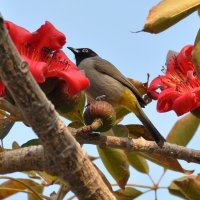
(106, 80)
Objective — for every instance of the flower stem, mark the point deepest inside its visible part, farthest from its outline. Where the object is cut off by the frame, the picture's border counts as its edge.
(96, 124)
(151, 179)
(161, 177)
(137, 185)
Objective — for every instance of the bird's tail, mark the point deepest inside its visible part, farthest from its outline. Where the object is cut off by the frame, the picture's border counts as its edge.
(129, 101)
(159, 139)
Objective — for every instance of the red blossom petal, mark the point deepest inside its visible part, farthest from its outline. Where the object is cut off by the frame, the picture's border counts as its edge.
(62, 67)
(59, 62)
(185, 103)
(155, 84)
(166, 99)
(47, 36)
(37, 69)
(75, 79)
(41, 49)
(184, 59)
(2, 89)
(19, 35)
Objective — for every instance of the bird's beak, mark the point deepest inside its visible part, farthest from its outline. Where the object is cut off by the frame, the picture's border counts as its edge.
(75, 51)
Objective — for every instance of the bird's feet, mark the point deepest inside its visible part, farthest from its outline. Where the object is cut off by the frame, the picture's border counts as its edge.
(101, 98)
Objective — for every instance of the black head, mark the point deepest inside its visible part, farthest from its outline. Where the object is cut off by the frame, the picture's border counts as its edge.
(82, 53)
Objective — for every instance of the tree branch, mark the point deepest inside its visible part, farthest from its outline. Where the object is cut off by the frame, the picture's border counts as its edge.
(62, 154)
(31, 158)
(23, 159)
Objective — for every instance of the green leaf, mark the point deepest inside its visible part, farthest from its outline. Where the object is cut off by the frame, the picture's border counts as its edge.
(121, 112)
(135, 160)
(168, 13)
(15, 145)
(138, 162)
(127, 194)
(5, 126)
(196, 53)
(136, 131)
(188, 186)
(120, 130)
(183, 130)
(77, 111)
(32, 142)
(116, 163)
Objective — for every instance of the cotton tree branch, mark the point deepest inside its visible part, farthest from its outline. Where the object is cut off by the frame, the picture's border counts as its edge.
(62, 154)
(22, 159)
(31, 158)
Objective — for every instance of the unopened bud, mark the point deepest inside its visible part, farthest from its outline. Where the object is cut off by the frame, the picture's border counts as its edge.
(100, 110)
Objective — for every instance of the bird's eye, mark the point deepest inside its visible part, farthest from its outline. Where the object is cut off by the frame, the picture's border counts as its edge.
(85, 50)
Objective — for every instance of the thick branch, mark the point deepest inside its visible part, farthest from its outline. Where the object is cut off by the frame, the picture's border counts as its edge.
(63, 155)
(23, 159)
(31, 158)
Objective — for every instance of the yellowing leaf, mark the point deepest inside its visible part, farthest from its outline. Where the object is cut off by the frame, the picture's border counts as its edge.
(196, 53)
(39, 189)
(188, 186)
(166, 162)
(137, 131)
(48, 178)
(116, 163)
(183, 130)
(174, 189)
(127, 193)
(10, 187)
(168, 13)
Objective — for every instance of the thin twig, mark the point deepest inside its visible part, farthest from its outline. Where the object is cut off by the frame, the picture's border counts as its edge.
(161, 177)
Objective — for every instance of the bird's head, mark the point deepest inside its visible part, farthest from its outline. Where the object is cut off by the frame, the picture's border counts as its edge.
(82, 53)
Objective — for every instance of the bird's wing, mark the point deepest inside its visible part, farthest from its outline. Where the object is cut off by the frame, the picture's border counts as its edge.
(111, 70)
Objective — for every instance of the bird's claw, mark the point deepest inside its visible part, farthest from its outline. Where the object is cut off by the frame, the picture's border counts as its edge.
(101, 98)
(95, 134)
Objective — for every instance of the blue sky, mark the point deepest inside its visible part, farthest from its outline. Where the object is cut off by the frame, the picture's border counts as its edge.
(105, 26)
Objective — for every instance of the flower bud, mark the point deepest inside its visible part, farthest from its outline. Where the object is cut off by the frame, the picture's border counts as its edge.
(100, 110)
(62, 101)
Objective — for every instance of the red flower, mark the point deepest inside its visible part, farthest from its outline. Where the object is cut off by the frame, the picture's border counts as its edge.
(41, 49)
(179, 87)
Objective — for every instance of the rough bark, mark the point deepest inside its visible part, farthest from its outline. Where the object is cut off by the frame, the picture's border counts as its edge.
(32, 158)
